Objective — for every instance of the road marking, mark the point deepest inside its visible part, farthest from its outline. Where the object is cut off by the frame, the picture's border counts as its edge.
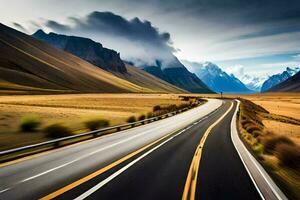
(238, 144)
(75, 144)
(101, 171)
(81, 157)
(52, 151)
(110, 166)
(6, 189)
(191, 181)
(114, 175)
(77, 159)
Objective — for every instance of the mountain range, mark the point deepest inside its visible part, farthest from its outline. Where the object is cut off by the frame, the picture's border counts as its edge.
(28, 64)
(60, 63)
(292, 84)
(171, 71)
(216, 78)
(278, 78)
(253, 83)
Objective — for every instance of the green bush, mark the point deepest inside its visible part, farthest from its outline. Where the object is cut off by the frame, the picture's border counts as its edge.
(57, 131)
(131, 119)
(141, 117)
(156, 108)
(288, 155)
(258, 149)
(94, 124)
(30, 123)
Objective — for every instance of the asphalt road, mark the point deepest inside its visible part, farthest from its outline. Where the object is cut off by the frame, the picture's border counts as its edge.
(147, 162)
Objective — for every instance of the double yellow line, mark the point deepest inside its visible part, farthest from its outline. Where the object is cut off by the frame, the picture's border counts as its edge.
(192, 175)
(189, 191)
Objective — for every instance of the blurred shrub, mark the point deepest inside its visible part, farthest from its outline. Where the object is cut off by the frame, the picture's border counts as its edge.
(57, 130)
(150, 115)
(131, 119)
(251, 128)
(288, 155)
(271, 142)
(30, 123)
(156, 108)
(258, 148)
(96, 123)
(141, 117)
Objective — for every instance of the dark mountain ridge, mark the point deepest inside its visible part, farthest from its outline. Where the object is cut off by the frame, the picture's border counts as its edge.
(292, 84)
(278, 78)
(171, 71)
(86, 49)
(177, 74)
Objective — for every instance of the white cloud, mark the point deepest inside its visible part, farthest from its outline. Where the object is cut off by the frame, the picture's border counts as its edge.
(297, 57)
(236, 70)
(281, 64)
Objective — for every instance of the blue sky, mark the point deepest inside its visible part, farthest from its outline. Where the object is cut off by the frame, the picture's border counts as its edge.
(258, 37)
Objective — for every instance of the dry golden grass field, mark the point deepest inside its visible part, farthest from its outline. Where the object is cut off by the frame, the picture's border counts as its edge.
(285, 104)
(275, 136)
(71, 109)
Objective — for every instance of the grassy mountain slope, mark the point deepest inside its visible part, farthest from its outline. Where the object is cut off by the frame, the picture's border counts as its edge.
(144, 79)
(28, 62)
(107, 59)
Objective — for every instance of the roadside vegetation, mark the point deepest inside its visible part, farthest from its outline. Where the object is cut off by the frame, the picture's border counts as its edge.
(279, 153)
(57, 131)
(131, 119)
(159, 110)
(71, 114)
(30, 123)
(96, 123)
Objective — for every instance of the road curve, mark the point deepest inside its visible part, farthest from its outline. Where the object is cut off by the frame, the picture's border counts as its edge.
(38, 176)
(161, 172)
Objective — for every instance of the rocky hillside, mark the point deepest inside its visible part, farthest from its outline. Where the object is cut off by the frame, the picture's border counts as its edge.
(86, 49)
(216, 78)
(278, 78)
(176, 73)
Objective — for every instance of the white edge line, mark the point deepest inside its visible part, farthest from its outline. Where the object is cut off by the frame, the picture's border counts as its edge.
(235, 146)
(114, 175)
(4, 190)
(262, 172)
(94, 152)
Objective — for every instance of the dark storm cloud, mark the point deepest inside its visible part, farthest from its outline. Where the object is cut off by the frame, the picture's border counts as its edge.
(282, 13)
(57, 26)
(255, 10)
(110, 23)
(202, 29)
(137, 40)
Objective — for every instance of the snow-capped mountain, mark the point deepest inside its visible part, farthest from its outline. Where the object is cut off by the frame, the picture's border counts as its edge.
(253, 83)
(215, 78)
(278, 78)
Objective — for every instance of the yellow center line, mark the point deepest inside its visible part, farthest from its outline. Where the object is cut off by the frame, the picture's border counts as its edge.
(104, 169)
(189, 191)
